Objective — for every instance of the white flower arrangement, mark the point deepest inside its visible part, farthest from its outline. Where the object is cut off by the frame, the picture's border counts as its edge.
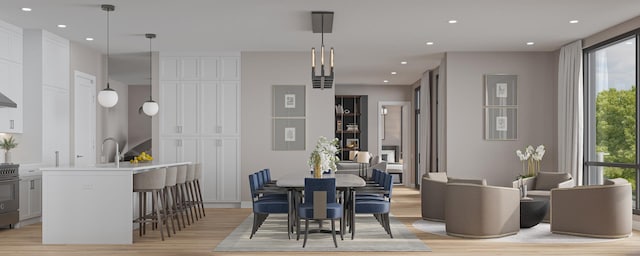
(532, 157)
(325, 154)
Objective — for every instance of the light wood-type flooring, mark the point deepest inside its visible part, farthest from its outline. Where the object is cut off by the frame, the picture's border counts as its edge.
(202, 238)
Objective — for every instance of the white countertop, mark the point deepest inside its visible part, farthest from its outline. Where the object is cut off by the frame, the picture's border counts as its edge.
(124, 166)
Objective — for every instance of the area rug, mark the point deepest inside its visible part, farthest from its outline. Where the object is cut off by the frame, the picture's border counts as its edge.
(538, 234)
(370, 236)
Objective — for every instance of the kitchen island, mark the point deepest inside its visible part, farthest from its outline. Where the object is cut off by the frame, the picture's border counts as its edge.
(90, 204)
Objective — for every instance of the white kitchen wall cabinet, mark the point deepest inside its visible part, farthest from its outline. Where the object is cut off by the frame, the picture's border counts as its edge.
(200, 107)
(220, 162)
(46, 78)
(11, 66)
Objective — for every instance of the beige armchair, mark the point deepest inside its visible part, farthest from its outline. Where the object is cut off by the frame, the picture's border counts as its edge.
(596, 211)
(540, 186)
(478, 211)
(433, 188)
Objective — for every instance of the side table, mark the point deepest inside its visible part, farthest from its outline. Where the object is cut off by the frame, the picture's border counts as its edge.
(532, 211)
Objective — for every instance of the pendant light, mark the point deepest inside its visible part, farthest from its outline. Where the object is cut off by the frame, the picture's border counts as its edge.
(150, 107)
(108, 97)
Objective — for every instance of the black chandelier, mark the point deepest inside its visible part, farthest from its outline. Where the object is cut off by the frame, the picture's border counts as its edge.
(321, 22)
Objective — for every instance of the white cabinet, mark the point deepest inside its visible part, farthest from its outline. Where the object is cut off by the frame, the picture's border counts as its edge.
(30, 197)
(220, 165)
(220, 108)
(11, 67)
(200, 118)
(179, 150)
(55, 120)
(179, 108)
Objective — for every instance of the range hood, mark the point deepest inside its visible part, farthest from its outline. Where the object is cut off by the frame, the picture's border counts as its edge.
(5, 102)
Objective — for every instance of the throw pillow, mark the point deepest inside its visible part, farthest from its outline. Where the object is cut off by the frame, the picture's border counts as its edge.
(549, 180)
(437, 176)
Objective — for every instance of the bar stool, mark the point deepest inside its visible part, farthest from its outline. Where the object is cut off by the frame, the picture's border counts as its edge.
(191, 202)
(198, 188)
(181, 194)
(152, 181)
(169, 198)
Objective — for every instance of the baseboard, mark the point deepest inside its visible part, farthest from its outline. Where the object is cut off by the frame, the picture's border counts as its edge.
(246, 204)
(222, 205)
(28, 222)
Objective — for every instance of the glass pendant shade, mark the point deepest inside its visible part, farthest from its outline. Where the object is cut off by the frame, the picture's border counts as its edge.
(150, 107)
(108, 98)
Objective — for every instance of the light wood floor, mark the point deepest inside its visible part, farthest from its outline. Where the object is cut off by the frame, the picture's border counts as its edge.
(202, 238)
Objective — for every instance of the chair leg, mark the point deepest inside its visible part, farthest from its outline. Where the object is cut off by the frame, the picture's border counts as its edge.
(297, 228)
(306, 232)
(168, 209)
(186, 203)
(176, 210)
(183, 203)
(255, 225)
(200, 197)
(140, 214)
(333, 232)
(192, 202)
(353, 225)
(342, 228)
(386, 216)
(144, 213)
(165, 215)
(154, 198)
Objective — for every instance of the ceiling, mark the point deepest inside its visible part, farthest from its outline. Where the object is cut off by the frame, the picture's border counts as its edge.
(371, 37)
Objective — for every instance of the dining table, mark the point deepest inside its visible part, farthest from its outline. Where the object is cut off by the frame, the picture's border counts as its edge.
(294, 184)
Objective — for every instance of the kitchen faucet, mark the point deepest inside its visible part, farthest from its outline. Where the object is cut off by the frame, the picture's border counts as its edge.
(117, 158)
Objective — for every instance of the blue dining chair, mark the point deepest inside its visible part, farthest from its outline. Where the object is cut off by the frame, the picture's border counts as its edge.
(378, 206)
(320, 204)
(266, 202)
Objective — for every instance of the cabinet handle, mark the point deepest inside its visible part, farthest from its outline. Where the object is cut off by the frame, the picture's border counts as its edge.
(179, 143)
(11, 124)
(32, 185)
(219, 143)
(219, 129)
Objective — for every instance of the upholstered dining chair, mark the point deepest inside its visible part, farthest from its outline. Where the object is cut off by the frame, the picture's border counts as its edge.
(263, 204)
(320, 204)
(379, 206)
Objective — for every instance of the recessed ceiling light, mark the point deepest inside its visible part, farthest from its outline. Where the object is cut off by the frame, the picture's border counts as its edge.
(574, 21)
(453, 21)
(628, 42)
(26, 9)
(62, 26)
(89, 38)
(530, 43)
(403, 62)
(385, 81)
(429, 43)
(394, 73)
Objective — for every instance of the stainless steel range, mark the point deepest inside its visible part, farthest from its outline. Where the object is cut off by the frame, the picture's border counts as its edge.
(9, 195)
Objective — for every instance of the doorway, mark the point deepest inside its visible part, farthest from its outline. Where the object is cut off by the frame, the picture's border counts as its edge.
(393, 136)
(84, 119)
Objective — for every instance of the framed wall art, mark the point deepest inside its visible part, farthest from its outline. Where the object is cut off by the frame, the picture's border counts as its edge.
(501, 90)
(288, 117)
(500, 108)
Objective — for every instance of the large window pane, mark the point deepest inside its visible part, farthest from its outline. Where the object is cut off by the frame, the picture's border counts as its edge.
(612, 90)
(597, 174)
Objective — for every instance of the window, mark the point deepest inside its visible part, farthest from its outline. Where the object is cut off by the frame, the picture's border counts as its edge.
(611, 121)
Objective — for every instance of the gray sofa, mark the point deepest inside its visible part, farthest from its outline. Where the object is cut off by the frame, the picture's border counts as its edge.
(603, 211)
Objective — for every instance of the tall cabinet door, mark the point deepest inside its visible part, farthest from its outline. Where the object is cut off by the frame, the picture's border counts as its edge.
(209, 169)
(189, 150)
(209, 116)
(169, 108)
(228, 169)
(188, 100)
(55, 122)
(229, 108)
(169, 150)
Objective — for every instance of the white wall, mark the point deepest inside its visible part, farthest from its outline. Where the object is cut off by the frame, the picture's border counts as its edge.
(393, 126)
(467, 153)
(139, 123)
(260, 71)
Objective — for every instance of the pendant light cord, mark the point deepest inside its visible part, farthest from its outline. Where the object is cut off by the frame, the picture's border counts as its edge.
(150, 70)
(108, 48)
